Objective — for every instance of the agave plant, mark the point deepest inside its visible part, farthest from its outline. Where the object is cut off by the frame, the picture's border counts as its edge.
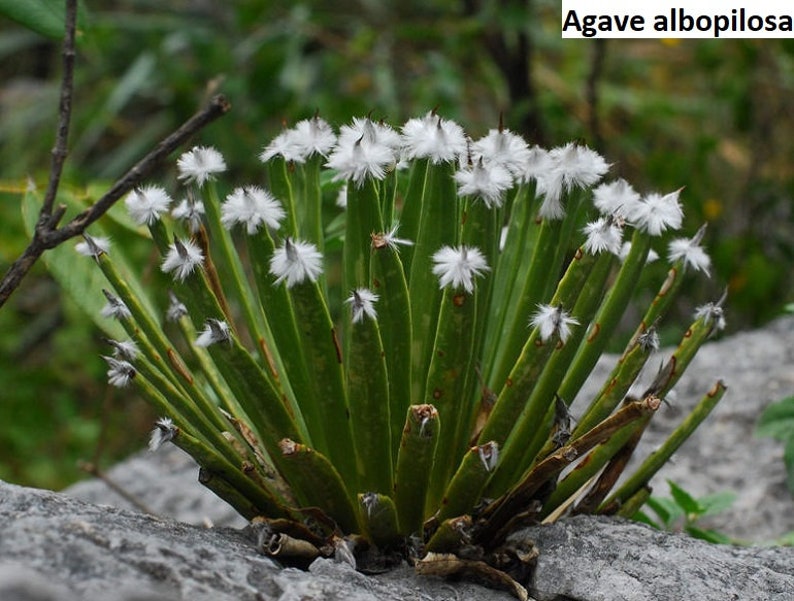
(394, 371)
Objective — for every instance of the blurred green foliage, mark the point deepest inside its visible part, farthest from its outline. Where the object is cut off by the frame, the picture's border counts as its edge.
(683, 512)
(716, 116)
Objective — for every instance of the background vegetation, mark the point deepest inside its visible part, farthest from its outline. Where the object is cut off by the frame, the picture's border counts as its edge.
(716, 116)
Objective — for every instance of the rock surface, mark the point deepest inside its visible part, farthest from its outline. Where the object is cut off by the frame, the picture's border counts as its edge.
(596, 559)
(56, 548)
(723, 455)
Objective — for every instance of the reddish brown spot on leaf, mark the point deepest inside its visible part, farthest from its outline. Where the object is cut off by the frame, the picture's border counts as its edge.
(338, 348)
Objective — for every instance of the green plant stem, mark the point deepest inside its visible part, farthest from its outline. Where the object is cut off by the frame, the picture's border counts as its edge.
(605, 482)
(521, 232)
(207, 367)
(579, 290)
(590, 465)
(267, 411)
(697, 334)
(614, 389)
(311, 205)
(195, 292)
(296, 380)
(411, 215)
(660, 303)
(516, 390)
(590, 296)
(658, 458)
(634, 503)
(156, 346)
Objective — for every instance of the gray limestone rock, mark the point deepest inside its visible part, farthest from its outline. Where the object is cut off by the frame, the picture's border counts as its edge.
(56, 548)
(600, 559)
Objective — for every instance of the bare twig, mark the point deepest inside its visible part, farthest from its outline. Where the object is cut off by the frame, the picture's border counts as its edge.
(60, 151)
(47, 235)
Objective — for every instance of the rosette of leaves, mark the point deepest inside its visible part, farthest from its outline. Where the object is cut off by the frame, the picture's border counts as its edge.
(377, 345)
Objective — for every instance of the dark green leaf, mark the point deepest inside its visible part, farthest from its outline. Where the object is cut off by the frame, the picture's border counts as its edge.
(42, 16)
(643, 518)
(716, 503)
(777, 420)
(711, 536)
(685, 501)
(666, 509)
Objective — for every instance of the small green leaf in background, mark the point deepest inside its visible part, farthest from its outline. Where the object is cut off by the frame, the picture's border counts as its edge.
(42, 16)
(777, 421)
(788, 459)
(683, 512)
(685, 501)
